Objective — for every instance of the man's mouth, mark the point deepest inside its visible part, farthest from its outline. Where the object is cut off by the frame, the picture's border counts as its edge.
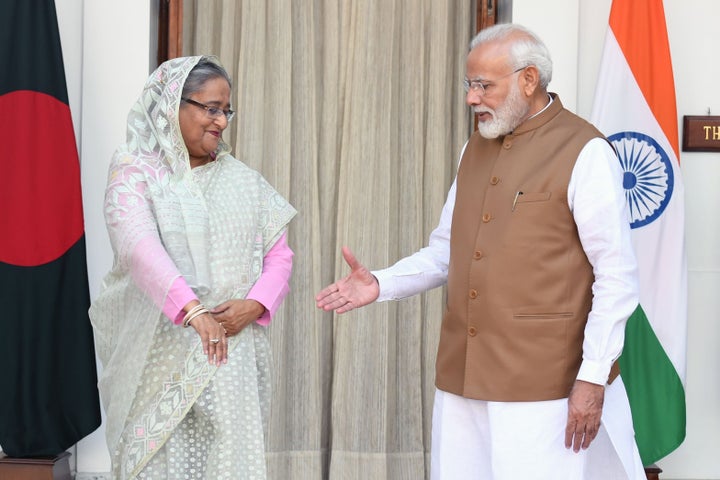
(483, 115)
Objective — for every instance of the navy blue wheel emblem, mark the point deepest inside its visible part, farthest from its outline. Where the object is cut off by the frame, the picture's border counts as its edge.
(647, 176)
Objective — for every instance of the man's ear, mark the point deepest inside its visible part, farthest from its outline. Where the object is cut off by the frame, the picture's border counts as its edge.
(530, 78)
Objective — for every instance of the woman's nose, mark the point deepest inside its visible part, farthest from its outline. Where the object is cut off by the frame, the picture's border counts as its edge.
(221, 121)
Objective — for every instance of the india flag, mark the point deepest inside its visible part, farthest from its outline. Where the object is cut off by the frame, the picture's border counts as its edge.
(635, 108)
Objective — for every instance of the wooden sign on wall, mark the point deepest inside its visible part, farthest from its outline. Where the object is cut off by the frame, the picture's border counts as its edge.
(701, 134)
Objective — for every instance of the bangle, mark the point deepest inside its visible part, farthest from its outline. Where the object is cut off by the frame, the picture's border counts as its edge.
(202, 311)
(194, 312)
(191, 311)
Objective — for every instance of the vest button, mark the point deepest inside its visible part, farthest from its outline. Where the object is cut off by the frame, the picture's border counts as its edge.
(477, 255)
(473, 293)
(486, 217)
(472, 331)
(494, 180)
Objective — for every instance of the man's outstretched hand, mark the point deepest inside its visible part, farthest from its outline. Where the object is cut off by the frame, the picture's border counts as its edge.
(357, 289)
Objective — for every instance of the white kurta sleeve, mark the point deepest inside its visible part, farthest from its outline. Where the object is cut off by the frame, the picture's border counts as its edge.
(428, 267)
(597, 202)
(425, 269)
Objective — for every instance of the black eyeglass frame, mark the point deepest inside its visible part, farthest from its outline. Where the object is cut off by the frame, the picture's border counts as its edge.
(212, 112)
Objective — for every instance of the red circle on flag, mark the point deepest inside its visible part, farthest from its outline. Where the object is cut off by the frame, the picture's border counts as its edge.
(41, 214)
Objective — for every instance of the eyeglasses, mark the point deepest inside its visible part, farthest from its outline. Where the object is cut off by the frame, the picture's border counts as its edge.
(478, 85)
(212, 112)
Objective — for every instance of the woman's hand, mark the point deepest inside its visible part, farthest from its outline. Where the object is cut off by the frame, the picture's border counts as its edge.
(213, 338)
(237, 314)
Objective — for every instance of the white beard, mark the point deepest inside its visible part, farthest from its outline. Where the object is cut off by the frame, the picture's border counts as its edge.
(506, 117)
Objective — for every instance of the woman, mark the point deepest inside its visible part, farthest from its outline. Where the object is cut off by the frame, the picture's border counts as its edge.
(199, 242)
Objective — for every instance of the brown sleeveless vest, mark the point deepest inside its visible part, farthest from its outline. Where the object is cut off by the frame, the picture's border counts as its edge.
(519, 283)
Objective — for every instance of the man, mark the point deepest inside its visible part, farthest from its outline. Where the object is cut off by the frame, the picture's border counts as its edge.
(535, 248)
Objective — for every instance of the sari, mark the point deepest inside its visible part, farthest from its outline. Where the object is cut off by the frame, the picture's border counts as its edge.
(170, 413)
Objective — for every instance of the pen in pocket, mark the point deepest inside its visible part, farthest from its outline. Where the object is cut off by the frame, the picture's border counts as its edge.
(517, 194)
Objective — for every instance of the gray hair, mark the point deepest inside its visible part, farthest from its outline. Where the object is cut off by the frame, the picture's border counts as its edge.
(205, 70)
(527, 49)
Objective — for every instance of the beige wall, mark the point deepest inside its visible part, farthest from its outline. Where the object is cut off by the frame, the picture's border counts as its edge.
(107, 52)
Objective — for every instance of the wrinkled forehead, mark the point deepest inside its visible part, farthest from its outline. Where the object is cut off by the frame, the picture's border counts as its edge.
(488, 60)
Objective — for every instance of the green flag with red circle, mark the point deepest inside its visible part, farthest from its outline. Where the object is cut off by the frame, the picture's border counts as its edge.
(47, 358)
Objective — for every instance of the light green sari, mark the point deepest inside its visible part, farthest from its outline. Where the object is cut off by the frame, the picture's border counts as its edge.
(170, 414)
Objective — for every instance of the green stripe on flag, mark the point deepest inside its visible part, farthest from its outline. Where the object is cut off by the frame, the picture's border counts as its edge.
(655, 391)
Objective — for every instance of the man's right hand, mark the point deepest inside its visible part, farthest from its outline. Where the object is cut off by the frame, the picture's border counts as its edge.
(356, 290)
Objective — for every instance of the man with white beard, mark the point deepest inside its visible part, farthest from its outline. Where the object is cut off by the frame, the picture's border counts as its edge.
(534, 245)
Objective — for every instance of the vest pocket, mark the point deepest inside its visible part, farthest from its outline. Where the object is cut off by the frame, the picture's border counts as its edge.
(533, 197)
(542, 316)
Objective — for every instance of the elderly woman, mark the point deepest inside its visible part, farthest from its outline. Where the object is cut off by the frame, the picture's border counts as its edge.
(201, 265)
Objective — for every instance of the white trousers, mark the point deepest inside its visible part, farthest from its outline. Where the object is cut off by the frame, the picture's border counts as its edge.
(479, 440)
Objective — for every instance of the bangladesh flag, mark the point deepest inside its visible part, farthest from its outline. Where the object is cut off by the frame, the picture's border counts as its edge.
(635, 108)
(49, 396)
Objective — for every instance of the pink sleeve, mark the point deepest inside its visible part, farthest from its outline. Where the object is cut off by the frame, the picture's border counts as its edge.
(148, 260)
(274, 283)
(150, 266)
(270, 289)
(180, 294)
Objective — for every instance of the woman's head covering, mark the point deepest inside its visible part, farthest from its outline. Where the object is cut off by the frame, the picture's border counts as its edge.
(153, 166)
(153, 128)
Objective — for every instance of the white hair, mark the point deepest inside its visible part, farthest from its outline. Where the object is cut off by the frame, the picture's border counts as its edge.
(527, 49)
